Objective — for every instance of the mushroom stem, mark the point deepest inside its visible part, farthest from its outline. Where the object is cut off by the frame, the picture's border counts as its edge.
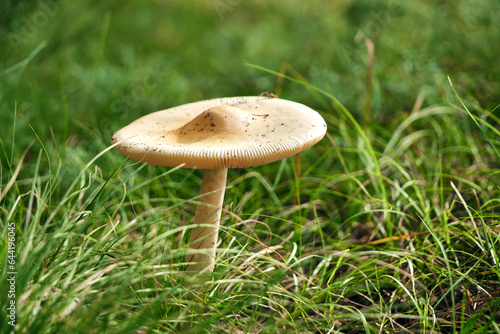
(203, 238)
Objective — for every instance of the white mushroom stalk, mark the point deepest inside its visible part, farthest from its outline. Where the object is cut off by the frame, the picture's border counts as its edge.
(216, 135)
(204, 238)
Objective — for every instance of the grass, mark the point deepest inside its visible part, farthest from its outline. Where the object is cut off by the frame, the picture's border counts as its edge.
(390, 225)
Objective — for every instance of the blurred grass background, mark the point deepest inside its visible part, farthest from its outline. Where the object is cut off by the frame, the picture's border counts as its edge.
(98, 63)
(72, 73)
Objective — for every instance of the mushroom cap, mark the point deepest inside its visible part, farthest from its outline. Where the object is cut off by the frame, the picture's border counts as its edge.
(224, 132)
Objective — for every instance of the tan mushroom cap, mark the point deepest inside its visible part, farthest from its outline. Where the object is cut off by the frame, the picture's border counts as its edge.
(225, 132)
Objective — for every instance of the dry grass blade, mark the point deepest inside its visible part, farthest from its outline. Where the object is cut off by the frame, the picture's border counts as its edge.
(13, 178)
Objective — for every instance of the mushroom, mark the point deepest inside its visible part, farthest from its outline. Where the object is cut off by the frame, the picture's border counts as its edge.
(215, 135)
